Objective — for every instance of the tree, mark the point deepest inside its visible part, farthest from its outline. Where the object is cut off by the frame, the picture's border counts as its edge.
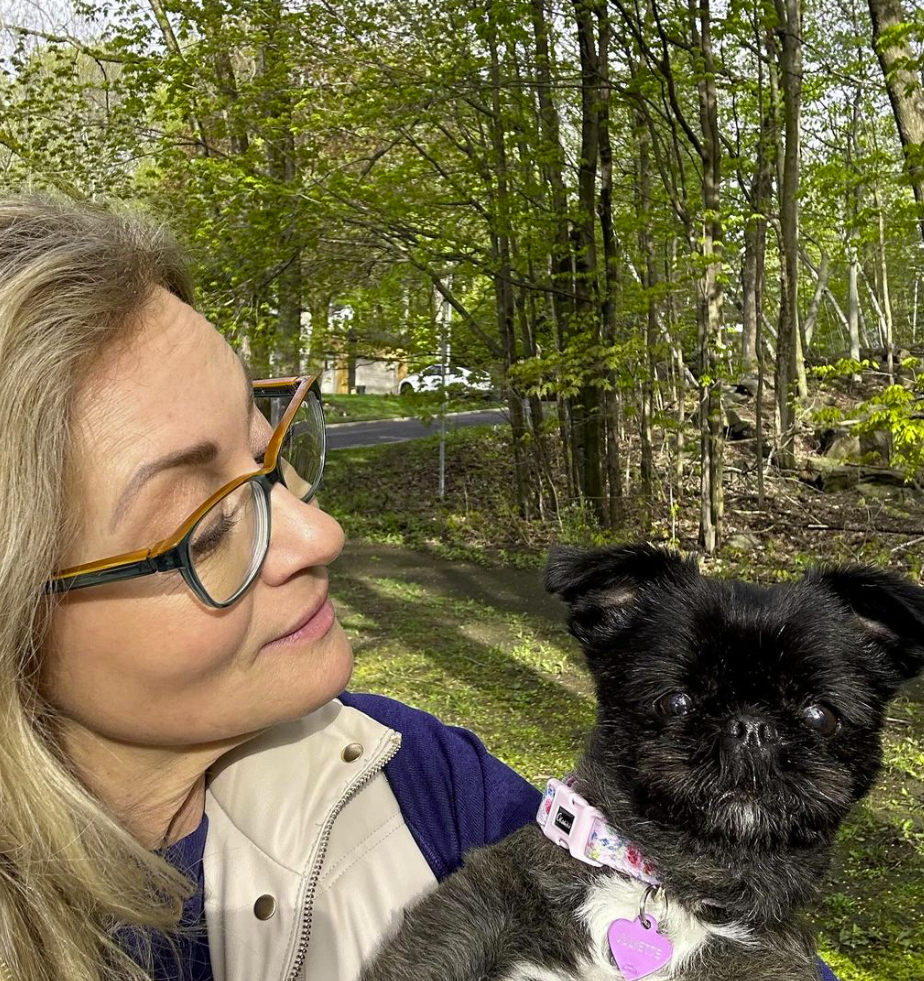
(901, 71)
(789, 353)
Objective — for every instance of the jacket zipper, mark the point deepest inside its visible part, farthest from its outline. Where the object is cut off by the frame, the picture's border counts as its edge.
(302, 949)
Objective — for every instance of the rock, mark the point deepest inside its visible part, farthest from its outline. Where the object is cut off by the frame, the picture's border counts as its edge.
(877, 492)
(833, 475)
(738, 428)
(747, 385)
(824, 438)
(743, 542)
(843, 448)
(828, 474)
(877, 442)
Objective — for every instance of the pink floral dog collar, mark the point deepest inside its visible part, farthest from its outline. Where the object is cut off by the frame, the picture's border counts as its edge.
(568, 820)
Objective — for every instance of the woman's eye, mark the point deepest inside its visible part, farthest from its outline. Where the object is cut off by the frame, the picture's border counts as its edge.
(260, 458)
(821, 719)
(675, 703)
(211, 538)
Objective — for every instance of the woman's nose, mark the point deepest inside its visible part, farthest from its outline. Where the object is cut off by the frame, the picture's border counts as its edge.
(303, 536)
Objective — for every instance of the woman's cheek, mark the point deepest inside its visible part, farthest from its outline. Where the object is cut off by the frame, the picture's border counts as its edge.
(133, 669)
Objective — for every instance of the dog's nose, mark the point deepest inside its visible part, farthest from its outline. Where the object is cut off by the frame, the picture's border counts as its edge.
(753, 732)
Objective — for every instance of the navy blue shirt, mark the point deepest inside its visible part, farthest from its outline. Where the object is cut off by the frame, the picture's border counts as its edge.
(191, 962)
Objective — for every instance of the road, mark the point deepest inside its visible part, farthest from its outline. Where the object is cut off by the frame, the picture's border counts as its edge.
(341, 435)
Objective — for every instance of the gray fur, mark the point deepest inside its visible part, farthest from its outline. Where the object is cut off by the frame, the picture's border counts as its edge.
(512, 914)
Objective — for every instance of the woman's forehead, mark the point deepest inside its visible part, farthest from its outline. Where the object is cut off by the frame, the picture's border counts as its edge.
(172, 382)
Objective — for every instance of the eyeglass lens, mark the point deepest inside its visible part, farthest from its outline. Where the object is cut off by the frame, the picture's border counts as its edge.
(229, 541)
(301, 459)
(228, 544)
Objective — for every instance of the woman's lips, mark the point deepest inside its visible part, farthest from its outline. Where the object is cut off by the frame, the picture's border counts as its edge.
(314, 628)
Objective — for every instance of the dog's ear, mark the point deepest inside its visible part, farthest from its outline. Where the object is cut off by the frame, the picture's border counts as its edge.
(889, 609)
(619, 570)
(602, 584)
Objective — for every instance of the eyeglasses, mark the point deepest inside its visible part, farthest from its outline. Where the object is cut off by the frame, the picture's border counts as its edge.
(219, 549)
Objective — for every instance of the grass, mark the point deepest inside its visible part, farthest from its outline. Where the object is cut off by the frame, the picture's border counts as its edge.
(364, 408)
(522, 689)
(516, 678)
(368, 408)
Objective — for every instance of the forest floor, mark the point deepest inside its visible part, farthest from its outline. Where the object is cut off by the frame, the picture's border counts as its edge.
(445, 606)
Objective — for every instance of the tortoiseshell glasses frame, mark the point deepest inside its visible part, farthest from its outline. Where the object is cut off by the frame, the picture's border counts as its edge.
(174, 554)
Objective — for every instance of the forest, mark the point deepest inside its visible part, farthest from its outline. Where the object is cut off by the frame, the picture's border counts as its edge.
(636, 214)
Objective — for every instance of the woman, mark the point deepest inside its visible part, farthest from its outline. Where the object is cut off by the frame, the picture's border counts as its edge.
(169, 657)
(122, 412)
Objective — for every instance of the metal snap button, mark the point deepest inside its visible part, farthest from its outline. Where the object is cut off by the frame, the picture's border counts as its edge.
(351, 752)
(264, 907)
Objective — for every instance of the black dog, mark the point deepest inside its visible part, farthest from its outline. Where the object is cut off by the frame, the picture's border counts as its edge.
(737, 725)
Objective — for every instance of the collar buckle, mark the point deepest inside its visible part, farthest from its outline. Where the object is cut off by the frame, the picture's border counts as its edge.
(567, 819)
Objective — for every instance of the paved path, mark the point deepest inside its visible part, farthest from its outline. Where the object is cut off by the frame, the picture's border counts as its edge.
(505, 588)
(341, 435)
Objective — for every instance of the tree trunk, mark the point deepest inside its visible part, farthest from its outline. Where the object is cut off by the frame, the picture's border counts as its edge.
(173, 46)
(788, 336)
(749, 318)
(760, 203)
(611, 407)
(886, 299)
(821, 285)
(319, 311)
(503, 287)
(903, 83)
(755, 238)
(585, 281)
(225, 80)
(650, 282)
(552, 165)
(283, 170)
(712, 503)
(680, 372)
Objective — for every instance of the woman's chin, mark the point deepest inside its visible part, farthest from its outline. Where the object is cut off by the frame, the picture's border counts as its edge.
(328, 669)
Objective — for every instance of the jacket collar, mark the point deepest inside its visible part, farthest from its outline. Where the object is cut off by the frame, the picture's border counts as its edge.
(279, 787)
(271, 804)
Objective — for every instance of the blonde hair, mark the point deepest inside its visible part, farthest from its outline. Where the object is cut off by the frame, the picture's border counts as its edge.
(72, 879)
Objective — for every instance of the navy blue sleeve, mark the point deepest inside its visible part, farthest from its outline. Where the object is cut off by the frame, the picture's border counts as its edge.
(453, 794)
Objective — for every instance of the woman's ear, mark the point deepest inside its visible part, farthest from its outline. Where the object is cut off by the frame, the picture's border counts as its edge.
(888, 608)
(601, 585)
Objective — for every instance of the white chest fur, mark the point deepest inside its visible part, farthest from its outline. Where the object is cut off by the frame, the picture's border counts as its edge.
(617, 898)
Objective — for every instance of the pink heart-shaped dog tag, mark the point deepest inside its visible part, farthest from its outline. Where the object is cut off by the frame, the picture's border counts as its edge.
(637, 951)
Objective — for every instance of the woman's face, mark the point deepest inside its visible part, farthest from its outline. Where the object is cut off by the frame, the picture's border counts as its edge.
(143, 661)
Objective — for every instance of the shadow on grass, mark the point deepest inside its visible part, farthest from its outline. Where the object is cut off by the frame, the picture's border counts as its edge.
(412, 649)
(515, 591)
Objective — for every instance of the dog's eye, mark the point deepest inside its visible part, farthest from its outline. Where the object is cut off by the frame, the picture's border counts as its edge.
(674, 703)
(820, 718)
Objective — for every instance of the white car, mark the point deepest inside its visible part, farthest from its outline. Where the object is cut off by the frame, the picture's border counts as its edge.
(430, 379)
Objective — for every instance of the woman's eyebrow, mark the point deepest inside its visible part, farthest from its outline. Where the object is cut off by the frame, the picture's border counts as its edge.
(200, 455)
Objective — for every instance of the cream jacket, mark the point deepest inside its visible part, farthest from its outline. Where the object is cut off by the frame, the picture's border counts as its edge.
(308, 861)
